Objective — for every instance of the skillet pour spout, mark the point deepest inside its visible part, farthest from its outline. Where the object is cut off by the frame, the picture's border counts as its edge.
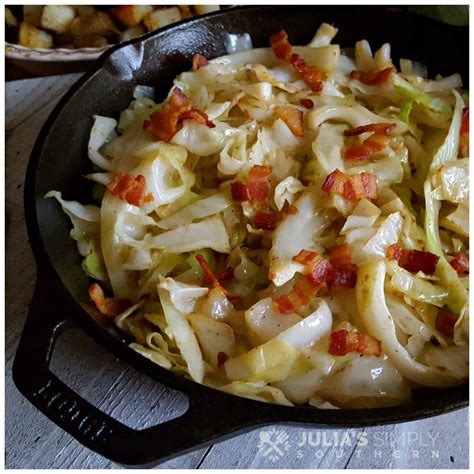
(156, 59)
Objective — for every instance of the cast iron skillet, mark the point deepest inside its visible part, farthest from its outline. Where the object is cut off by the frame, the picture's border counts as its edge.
(59, 159)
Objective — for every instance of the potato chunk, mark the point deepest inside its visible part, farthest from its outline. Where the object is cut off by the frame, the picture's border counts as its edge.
(10, 19)
(57, 18)
(202, 9)
(162, 17)
(131, 15)
(97, 23)
(32, 37)
(32, 14)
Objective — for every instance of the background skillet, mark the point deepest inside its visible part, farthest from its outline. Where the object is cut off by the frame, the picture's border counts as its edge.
(59, 159)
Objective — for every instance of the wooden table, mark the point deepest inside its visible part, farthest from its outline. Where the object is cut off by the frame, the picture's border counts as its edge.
(32, 441)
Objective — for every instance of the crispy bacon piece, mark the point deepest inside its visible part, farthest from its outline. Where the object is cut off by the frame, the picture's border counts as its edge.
(340, 255)
(445, 323)
(373, 144)
(293, 118)
(353, 188)
(320, 271)
(290, 210)
(460, 263)
(197, 115)
(464, 137)
(212, 280)
(265, 220)
(306, 257)
(129, 188)
(256, 189)
(281, 46)
(342, 276)
(310, 74)
(222, 358)
(283, 50)
(343, 341)
(199, 61)
(413, 261)
(374, 77)
(307, 103)
(303, 291)
(109, 307)
(378, 128)
(163, 123)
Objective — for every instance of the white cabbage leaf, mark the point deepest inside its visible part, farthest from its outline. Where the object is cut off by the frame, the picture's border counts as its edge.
(183, 296)
(286, 191)
(183, 334)
(102, 132)
(387, 234)
(205, 207)
(296, 232)
(213, 336)
(380, 324)
(198, 138)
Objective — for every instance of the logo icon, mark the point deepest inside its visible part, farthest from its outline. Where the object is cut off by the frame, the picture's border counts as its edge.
(274, 443)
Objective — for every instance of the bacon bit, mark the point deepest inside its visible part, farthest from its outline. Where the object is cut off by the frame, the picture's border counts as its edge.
(240, 191)
(199, 61)
(129, 188)
(343, 276)
(340, 255)
(373, 144)
(293, 118)
(222, 358)
(310, 74)
(303, 291)
(307, 103)
(212, 280)
(445, 323)
(413, 261)
(306, 257)
(291, 210)
(149, 198)
(374, 77)
(260, 173)
(226, 274)
(265, 220)
(460, 263)
(464, 142)
(199, 116)
(109, 307)
(283, 50)
(378, 128)
(343, 341)
(163, 123)
(353, 188)
(281, 46)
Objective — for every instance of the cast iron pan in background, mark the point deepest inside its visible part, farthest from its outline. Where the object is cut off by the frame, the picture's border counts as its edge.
(59, 159)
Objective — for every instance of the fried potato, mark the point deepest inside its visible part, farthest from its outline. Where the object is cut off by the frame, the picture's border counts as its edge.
(32, 14)
(131, 15)
(162, 17)
(57, 18)
(10, 19)
(132, 33)
(82, 10)
(96, 23)
(32, 37)
(202, 9)
(185, 11)
(89, 41)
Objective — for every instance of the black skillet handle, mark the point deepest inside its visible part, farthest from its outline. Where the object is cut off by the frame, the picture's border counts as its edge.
(207, 418)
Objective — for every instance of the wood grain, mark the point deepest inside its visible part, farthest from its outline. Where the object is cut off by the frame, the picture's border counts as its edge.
(32, 441)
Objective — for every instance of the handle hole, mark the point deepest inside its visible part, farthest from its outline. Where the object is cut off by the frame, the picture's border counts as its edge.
(117, 389)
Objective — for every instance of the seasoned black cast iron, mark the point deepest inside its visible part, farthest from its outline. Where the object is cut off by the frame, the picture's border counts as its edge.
(59, 159)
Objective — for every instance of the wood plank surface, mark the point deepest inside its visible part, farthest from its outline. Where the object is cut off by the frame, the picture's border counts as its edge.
(32, 441)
